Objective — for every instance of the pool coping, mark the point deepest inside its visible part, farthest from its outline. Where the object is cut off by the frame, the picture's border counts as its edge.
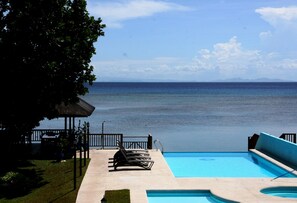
(100, 177)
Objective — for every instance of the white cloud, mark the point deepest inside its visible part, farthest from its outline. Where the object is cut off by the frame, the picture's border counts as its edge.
(225, 60)
(153, 69)
(282, 35)
(113, 13)
(279, 16)
(230, 60)
(265, 35)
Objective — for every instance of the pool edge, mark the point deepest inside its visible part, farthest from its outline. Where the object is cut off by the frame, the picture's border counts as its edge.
(272, 160)
(192, 191)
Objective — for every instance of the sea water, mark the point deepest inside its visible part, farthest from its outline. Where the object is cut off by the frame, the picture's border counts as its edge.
(191, 116)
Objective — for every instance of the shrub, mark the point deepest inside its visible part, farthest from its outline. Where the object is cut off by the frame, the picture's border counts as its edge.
(14, 183)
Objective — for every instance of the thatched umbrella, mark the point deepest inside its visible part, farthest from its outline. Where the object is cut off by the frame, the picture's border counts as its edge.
(72, 110)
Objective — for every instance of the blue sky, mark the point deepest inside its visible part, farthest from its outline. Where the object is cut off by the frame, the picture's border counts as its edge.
(195, 40)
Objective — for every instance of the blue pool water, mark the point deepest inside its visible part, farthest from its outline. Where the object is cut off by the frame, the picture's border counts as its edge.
(184, 196)
(217, 164)
(284, 192)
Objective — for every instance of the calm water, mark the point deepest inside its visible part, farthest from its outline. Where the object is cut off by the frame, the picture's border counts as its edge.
(192, 116)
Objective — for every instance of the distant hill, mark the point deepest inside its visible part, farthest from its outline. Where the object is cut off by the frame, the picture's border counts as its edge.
(226, 80)
(253, 80)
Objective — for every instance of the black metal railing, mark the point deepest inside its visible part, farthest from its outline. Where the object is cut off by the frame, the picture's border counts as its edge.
(104, 140)
(99, 140)
(111, 141)
(291, 137)
(136, 142)
(252, 141)
(36, 134)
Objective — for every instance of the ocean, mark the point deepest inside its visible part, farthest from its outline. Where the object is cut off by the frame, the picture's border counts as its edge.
(193, 117)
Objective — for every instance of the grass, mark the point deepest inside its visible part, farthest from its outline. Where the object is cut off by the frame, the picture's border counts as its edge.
(117, 196)
(40, 181)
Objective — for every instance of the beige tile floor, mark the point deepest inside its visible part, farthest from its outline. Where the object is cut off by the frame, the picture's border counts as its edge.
(100, 177)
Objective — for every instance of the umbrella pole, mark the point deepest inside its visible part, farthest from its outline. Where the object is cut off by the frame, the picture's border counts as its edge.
(70, 125)
(65, 124)
(73, 123)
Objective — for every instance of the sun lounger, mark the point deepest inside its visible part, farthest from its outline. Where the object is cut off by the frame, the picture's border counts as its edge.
(139, 158)
(121, 159)
(132, 151)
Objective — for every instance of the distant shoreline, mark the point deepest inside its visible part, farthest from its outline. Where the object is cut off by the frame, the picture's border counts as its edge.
(196, 82)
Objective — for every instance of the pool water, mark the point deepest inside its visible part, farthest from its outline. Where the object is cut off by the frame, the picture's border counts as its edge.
(184, 196)
(222, 164)
(284, 192)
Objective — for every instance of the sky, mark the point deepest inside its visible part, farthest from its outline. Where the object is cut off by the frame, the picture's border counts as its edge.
(195, 40)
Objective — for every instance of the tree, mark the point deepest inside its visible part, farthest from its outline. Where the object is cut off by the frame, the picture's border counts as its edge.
(45, 51)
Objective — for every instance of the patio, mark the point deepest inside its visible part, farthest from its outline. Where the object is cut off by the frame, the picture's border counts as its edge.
(100, 177)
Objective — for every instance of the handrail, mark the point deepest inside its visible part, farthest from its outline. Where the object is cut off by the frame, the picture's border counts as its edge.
(131, 136)
(158, 141)
(288, 172)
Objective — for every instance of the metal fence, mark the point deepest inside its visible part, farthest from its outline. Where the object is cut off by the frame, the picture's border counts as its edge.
(104, 140)
(99, 140)
(291, 137)
(252, 140)
(36, 134)
(136, 142)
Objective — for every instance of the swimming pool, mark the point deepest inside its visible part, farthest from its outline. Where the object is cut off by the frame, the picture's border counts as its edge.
(282, 191)
(222, 164)
(184, 196)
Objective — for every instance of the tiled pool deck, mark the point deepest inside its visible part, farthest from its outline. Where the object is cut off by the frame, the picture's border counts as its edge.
(100, 177)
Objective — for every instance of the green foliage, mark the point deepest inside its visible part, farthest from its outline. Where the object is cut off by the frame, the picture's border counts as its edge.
(15, 183)
(45, 181)
(117, 196)
(45, 51)
(11, 177)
